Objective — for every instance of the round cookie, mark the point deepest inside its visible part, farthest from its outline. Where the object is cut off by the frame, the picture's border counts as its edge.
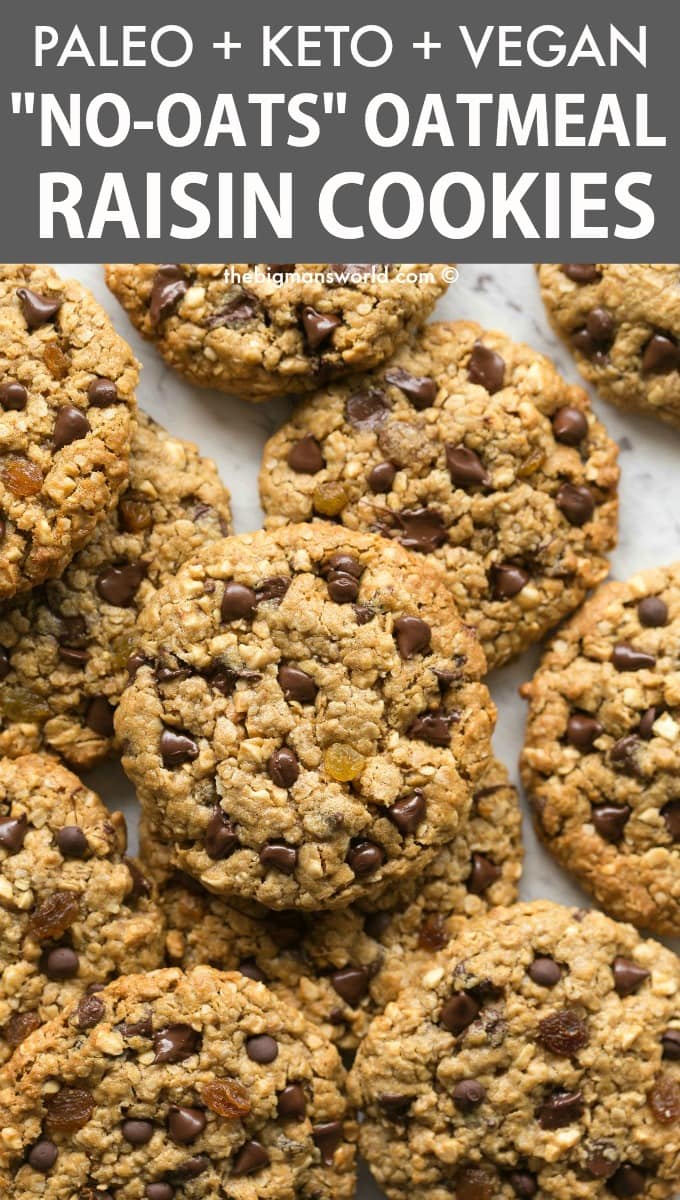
(473, 451)
(601, 760)
(342, 968)
(67, 403)
(306, 723)
(622, 323)
(167, 1085)
(539, 1057)
(281, 331)
(74, 911)
(64, 649)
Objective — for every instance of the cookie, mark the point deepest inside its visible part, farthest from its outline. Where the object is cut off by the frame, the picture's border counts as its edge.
(622, 323)
(472, 451)
(342, 968)
(283, 329)
(306, 723)
(539, 1057)
(64, 649)
(167, 1085)
(74, 911)
(601, 760)
(67, 403)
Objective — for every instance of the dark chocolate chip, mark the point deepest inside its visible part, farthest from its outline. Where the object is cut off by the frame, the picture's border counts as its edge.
(42, 1156)
(628, 1181)
(610, 821)
(465, 467)
(238, 601)
(177, 748)
(13, 396)
(262, 1048)
(507, 580)
(601, 326)
(70, 425)
(670, 1045)
(134, 1029)
(139, 884)
(170, 284)
(273, 589)
(628, 976)
(283, 767)
(367, 409)
(62, 963)
(377, 924)
(433, 727)
(136, 1132)
(422, 529)
(74, 658)
(545, 972)
(420, 389)
(251, 1157)
(661, 354)
(191, 1168)
(102, 392)
(292, 1103)
(468, 1094)
(243, 307)
(582, 731)
(576, 502)
(351, 983)
(185, 1124)
(365, 858)
(13, 830)
(523, 1184)
(623, 754)
(342, 573)
(118, 585)
(413, 636)
(381, 477)
(581, 273)
(37, 309)
(327, 1138)
(89, 1012)
(364, 613)
(296, 684)
(280, 856)
(71, 841)
(570, 426)
(175, 1043)
(5, 665)
(99, 716)
(318, 326)
(220, 838)
(628, 658)
(671, 815)
(459, 1012)
(408, 812)
(560, 1109)
(250, 969)
(647, 722)
(482, 874)
(305, 456)
(563, 1033)
(487, 368)
(395, 1107)
(160, 1190)
(601, 1162)
(652, 611)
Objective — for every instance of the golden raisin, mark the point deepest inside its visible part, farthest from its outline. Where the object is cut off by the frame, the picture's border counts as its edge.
(135, 514)
(20, 705)
(69, 1109)
(56, 361)
(21, 477)
(226, 1097)
(664, 1100)
(329, 499)
(532, 463)
(54, 916)
(121, 649)
(343, 763)
(19, 1026)
(433, 935)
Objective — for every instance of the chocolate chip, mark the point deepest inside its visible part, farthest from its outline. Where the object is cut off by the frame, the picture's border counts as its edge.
(670, 1045)
(459, 1012)
(74, 658)
(62, 963)
(13, 397)
(582, 731)
(468, 1094)
(652, 611)
(251, 1157)
(367, 409)
(560, 1109)
(581, 273)
(523, 1184)
(318, 326)
(177, 748)
(238, 601)
(292, 1103)
(600, 326)
(99, 716)
(570, 426)
(482, 874)
(381, 477)
(89, 1012)
(487, 368)
(408, 812)
(250, 969)
(327, 1138)
(296, 684)
(671, 815)
(175, 1043)
(42, 1156)
(72, 841)
(159, 1191)
(563, 1033)
(305, 456)
(474, 1183)
(137, 1133)
(70, 426)
(351, 984)
(139, 884)
(273, 589)
(37, 309)
(377, 924)
(220, 839)
(623, 754)
(628, 1181)
(413, 636)
(102, 392)
(628, 976)
(280, 856)
(545, 972)
(576, 502)
(628, 658)
(395, 1107)
(610, 821)
(342, 573)
(422, 529)
(118, 585)
(262, 1048)
(420, 389)
(365, 858)
(185, 1124)
(661, 354)
(601, 1162)
(465, 467)
(507, 580)
(243, 307)
(283, 767)
(169, 285)
(134, 1029)
(191, 1168)
(5, 665)
(364, 613)
(433, 727)
(13, 830)
(647, 721)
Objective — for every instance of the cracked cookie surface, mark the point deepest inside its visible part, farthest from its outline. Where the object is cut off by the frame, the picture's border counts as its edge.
(74, 911)
(67, 404)
(64, 649)
(601, 760)
(539, 1057)
(473, 451)
(279, 332)
(306, 724)
(622, 323)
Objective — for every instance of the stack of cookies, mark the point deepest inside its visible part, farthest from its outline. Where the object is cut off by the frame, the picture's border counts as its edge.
(329, 850)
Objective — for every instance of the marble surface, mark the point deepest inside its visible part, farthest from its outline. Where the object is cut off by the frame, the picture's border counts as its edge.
(233, 433)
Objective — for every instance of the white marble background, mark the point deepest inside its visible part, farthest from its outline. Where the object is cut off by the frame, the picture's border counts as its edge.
(233, 432)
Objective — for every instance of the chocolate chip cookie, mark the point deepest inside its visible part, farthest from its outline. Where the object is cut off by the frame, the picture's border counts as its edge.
(67, 385)
(262, 329)
(601, 761)
(471, 450)
(539, 1057)
(170, 1085)
(306, 723)
(74, 911)
(622, 322)
(65, 648)
(342, 968)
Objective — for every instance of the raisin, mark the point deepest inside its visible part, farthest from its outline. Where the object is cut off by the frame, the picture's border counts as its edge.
(226, 1097)
(433, 935)
(19, 1026)
(56, 361)
(664, 1100)
(343, 763)
(563, 1033)
(21, 477)
(329, 499)
(474, 1183)
(54, 916)
(69, 1109)
(134, 514)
